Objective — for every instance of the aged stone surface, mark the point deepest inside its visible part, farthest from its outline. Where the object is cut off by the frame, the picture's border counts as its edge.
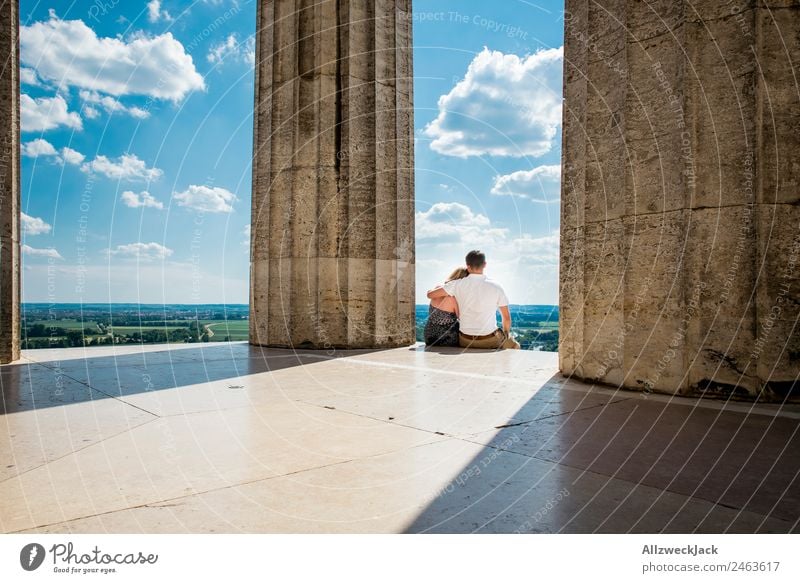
(9, 184)
(332, 238)
(680, 243)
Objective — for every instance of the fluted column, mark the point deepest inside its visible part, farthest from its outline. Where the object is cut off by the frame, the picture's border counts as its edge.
(9, 183)
(332, 237)
(680, 242)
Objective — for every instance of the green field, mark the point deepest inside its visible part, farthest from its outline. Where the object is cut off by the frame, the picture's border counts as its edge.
(234, 329)
(67, 324)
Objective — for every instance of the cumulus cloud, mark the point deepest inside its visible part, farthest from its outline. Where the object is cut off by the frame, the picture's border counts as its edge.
(36, 252)
(28, 77)
(141, 251)
(46, 113)
(154, 12)
(68, 52)
(71, 156)
(110, 104)
(33, 225)
(126, 167)
(41, 147)
(455, 222)
(206, 199)
(38, 147)
(542, 184)
(504, 106)
(142, 199)
(232, 50)
(538, 250)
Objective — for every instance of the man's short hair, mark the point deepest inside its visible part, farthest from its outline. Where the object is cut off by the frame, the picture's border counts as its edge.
(476, 259)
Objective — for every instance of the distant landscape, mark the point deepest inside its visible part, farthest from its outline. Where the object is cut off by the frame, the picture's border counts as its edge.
(70, 325)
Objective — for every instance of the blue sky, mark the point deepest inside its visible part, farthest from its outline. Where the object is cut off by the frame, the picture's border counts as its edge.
(137, 137)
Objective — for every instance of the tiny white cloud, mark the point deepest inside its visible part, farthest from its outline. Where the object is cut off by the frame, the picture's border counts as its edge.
(71, 156)
(126, 167)
(38, 147)
(48, 252)
(141, 251)
(110, 105)
(142, 199)
(232, 50)
(541, 184)
(206, 199)
(33, 225)
(156, 14)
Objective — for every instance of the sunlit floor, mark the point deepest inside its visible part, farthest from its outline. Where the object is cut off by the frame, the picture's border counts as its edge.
(232, 438)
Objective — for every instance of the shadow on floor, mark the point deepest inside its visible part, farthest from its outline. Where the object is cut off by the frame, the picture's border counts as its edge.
(623, 464)
(49, 383)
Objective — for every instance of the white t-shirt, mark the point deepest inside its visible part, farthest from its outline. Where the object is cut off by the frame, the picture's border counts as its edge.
(478, 298)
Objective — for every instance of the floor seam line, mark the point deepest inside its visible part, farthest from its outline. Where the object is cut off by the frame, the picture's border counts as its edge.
(608, 477)
(87, 446)
(98, 390)
(229, 486)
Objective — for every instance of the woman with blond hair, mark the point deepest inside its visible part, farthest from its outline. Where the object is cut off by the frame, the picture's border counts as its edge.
(441, 329)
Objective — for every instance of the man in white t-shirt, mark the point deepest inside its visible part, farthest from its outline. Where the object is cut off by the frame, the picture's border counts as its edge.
(478, 299)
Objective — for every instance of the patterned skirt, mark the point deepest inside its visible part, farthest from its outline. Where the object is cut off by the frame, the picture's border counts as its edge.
(441, 329)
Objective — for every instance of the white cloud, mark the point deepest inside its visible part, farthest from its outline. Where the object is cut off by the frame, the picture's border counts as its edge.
(232, 49)
(28, 77)
(504, 106)
(542, 184)
(33, 225)
(71, 156)
(35, 252)
(141, 251)
(142, 199)
(38, 147)
(90, 112)
(110, 104)
(206, 199)
(69, 53)
(456, 223)
(46, 113)
(126, 167)
(154, 12)
(537, 250)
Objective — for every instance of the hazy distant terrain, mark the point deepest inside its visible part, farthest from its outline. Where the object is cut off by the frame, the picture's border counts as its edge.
(65, 325)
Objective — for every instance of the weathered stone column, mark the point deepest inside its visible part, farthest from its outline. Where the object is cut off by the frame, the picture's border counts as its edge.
(9, 183)
(332, 237)
(680, 242)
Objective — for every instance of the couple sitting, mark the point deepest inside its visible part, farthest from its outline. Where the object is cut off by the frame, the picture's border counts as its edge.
(463, 311)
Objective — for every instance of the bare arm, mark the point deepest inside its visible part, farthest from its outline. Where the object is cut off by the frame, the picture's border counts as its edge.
(437, 292)
(506, 315)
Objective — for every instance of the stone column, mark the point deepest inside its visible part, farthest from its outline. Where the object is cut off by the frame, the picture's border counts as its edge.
(9, 183)
(332, 237)
(680, 225)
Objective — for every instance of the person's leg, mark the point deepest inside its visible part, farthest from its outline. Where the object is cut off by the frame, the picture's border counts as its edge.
(511, 343)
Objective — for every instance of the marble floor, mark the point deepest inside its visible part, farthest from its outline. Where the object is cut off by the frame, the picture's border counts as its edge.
(232, 438)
